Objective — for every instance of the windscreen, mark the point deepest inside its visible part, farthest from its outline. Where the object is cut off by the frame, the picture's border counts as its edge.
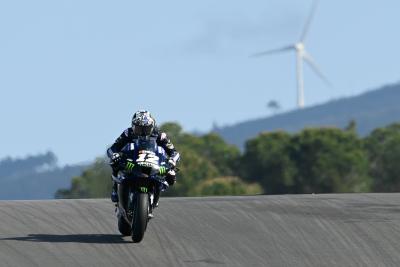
(149, 144)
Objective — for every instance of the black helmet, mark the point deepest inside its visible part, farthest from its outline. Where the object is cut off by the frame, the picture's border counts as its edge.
(143, 123)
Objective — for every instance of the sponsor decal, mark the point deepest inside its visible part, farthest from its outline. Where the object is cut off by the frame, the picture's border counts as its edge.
(143, 189)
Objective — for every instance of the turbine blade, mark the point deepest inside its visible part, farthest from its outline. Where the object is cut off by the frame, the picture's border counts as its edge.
(307, 57)
(309, 20)
(273, 51)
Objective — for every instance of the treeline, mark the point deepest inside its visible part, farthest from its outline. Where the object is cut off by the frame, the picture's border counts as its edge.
(12, 167)
(317, 160)
(208, 167)
(34, 177)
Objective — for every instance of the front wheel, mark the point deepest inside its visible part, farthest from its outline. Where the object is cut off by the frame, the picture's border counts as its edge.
(140, 217)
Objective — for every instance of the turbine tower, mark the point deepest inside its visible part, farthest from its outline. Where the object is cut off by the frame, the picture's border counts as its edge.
(301, 55)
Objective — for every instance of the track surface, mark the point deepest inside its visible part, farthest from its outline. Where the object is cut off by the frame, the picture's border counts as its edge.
(302, 230)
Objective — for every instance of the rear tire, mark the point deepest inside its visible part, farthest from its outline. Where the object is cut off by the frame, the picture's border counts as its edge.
(140, 217)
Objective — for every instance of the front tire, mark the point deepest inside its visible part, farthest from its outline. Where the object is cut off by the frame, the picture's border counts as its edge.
(140, 217)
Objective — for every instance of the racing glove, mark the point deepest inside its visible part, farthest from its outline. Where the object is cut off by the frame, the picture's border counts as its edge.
(116, 158)
(171, 177)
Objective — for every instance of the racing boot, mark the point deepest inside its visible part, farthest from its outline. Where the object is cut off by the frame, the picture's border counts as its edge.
(156, 197)
(114, 192)
(150, 215)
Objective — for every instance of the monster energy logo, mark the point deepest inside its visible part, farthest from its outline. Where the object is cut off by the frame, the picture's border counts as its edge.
(163, 170)
(143, 189)
(129, 166)
(145, 164)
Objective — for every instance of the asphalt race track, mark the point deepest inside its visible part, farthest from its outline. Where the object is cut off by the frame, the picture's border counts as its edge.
(292, 230)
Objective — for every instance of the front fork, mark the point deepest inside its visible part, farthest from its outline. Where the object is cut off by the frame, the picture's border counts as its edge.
(121, 208)
(124, 208)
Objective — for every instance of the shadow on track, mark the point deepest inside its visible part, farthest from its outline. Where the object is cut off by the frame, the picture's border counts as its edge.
(81, 238)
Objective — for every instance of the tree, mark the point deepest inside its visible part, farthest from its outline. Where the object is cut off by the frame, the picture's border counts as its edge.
(223, 186)
(383, 148)
(267, 161)
(329, 160)
(193, 169)
(351, 127)
(211, 147)
(274, 106)
(203, 157)
(93, 183)
(313, 161)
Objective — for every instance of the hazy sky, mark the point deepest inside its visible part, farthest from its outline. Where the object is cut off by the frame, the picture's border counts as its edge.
(73, 72)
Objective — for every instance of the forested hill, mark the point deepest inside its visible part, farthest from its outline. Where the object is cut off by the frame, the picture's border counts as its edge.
(34, 177)
(370, 110)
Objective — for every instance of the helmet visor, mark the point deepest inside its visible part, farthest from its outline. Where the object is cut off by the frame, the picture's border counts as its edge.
(141, 130)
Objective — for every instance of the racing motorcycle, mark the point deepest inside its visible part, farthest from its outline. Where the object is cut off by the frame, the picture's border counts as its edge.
(140, 178)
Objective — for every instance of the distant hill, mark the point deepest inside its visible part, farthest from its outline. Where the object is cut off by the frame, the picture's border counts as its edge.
(34, 177)
(370, 110)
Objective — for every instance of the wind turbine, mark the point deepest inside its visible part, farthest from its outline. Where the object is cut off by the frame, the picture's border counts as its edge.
(301, 55)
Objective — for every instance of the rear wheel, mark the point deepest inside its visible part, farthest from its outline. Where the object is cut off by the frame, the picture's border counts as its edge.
(140, 217)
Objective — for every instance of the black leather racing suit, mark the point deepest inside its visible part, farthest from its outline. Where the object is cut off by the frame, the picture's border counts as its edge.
(162, 140)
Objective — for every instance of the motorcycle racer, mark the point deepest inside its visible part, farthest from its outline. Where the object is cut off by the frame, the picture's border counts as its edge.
(143, 125)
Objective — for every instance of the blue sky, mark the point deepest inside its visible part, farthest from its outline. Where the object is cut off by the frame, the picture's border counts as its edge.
(73, 72)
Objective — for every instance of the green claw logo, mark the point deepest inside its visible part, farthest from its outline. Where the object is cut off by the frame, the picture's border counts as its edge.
(129, 167)
(163, 170)
(143, 189)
